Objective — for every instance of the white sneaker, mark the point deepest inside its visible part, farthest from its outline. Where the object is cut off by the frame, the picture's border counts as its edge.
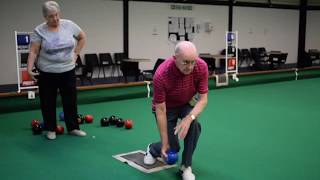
(187, 173)
(51, 135)
(148, 158)
(78, 132)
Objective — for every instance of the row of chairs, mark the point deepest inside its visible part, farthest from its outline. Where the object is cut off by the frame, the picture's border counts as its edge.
(260, 59)
(256, 58)
(85, 71)
(116, 65)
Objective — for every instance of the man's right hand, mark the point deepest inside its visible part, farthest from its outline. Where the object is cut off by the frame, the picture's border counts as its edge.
(164, 149)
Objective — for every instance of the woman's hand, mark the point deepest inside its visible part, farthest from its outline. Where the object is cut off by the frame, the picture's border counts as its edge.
(33, 75)
(74, 58)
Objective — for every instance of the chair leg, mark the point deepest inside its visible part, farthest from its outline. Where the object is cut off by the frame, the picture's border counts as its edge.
(104, 74)
(99, 71)
(112, 71)
(118, 71)
(115, 70)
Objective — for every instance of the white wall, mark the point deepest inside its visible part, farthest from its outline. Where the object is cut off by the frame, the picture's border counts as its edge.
(274, 29)
(145, 17)
(102, 20)
(313, 30)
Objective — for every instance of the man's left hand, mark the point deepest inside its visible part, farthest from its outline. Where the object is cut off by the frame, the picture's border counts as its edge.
(183, 127)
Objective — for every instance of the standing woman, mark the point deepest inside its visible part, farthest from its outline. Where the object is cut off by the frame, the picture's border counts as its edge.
(55, 46)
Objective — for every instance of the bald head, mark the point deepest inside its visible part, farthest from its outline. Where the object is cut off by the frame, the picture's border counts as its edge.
(186, 48)
(186, 56)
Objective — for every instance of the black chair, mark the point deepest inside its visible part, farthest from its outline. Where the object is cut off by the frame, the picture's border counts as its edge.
(245, 57)
(277, 59)
(148, 74)
(118, 58)
(81, 72)
(263, 54)
(283, 58)
(210, 61)
(105, 60)
(92, 62)
(314, 55)
(130, 68)
(260, 61)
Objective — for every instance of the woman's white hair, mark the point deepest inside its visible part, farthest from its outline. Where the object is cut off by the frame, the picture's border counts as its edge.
(50, 6)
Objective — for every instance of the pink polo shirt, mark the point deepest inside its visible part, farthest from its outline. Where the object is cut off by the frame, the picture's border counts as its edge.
(176, 89)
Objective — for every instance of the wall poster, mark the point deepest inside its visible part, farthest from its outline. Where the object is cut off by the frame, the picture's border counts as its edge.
(181, 29)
